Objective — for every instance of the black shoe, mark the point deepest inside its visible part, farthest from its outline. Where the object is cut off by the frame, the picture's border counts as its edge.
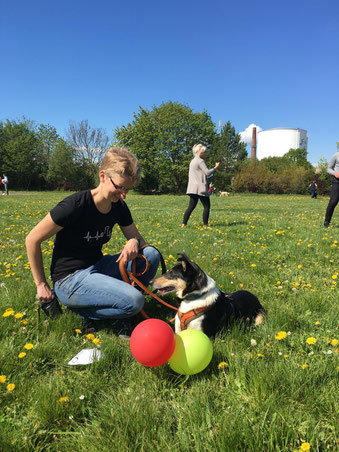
(51, 308)
(326, 225)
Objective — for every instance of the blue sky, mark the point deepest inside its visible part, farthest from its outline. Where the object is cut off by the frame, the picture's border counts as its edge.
(272, 63)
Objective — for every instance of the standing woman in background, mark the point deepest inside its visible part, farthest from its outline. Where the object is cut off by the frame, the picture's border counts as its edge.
(333, 169)
(197, 187)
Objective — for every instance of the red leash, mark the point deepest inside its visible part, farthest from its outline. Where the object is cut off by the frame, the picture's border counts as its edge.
(128, 276)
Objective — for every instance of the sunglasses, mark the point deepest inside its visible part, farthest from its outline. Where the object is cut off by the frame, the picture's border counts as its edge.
(119, 187)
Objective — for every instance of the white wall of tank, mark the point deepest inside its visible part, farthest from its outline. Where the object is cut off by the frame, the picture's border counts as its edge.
(276, 142)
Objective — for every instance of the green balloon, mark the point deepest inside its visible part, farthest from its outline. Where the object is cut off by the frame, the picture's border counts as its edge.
(192, 354)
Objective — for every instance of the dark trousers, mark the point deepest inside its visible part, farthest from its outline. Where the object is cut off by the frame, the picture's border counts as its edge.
(192, 205)
(333, 202)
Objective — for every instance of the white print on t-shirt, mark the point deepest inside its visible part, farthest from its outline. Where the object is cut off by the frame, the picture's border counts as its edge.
(107, 232)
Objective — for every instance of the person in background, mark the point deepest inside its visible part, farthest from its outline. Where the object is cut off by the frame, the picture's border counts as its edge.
(197, 187)
(314, 188)
(333, 169)
(211, 189)
(2, 187)
(86, 281)
(5, 183)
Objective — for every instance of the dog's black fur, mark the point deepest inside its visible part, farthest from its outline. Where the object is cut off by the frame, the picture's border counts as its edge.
(195, 289)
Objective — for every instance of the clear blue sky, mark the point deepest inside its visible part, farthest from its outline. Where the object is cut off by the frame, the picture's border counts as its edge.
(272, 63)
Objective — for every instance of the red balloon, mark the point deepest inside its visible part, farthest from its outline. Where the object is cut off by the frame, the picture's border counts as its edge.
(152, 342)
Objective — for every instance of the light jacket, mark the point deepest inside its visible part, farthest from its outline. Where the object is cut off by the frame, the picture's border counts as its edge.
(197, 177)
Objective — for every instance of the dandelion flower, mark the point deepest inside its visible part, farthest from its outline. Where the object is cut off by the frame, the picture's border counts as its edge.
(22, 355)
(259, 355)
(311, 340)
(96, 341)
(222, 364)
(19, 315)
(10, 387)
(90, 336)
(304, 366)
(78, 331)
(281, 335)
(8, 312)
(3, 378)
(253, 265)
(334, 276)
(28, 346)
(335, 342)
(317, 323)
(63, 399)
(305, 446)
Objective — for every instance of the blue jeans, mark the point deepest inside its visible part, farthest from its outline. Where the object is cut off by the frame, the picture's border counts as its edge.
(98, 292)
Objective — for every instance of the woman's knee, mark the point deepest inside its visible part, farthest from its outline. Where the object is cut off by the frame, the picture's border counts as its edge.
(136, 303)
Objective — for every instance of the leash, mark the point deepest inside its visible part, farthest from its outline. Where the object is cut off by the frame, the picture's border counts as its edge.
(128, 276)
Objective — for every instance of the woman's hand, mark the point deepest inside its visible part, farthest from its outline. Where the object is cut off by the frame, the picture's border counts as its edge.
(130, 251)
(44, 292)
(216, 165)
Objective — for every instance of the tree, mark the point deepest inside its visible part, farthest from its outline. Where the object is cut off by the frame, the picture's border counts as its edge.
(89, 143)
(19, 157)
(162, 139)
(48, 139)
(227, 149)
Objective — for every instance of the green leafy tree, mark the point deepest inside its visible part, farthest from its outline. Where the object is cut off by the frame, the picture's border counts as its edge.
(227, 149)
(48, 139)
(19, 155)
(162, 139)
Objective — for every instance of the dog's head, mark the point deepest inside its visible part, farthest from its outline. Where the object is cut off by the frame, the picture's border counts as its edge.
(184, 278)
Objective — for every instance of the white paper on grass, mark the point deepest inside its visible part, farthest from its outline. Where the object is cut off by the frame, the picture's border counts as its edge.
(85, 356)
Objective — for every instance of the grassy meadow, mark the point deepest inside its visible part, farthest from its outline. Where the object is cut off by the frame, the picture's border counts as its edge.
(270, 388)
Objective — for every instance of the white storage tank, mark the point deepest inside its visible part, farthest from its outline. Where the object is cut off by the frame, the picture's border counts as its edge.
(276, 142)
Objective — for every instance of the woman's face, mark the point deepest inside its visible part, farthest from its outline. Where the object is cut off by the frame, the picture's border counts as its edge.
(118, 187)
(202, 154)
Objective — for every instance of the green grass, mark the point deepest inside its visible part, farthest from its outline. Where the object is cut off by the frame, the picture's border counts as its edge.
(264, 399)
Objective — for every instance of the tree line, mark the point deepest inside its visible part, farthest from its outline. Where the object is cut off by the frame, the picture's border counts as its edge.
(35, 157)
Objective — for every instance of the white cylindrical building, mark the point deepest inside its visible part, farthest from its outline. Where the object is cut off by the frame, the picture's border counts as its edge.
(276, 142)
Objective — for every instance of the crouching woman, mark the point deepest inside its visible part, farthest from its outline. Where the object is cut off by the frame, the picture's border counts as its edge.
(85, 281)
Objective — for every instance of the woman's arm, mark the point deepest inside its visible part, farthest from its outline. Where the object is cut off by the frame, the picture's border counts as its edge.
(42, 231)
(135, 240)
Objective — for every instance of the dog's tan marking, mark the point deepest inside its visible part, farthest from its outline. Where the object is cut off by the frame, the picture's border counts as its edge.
(259, 319)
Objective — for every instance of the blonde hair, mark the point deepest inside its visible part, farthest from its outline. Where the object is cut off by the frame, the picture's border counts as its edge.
(198, 148)
(121, 162)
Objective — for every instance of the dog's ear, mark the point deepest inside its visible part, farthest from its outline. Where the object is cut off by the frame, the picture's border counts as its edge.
(186, 262)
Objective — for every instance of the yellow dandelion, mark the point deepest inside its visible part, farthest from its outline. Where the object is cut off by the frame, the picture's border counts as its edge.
(96, 341)
(78, 331)
(304, 366)
(281, 335)
(253, 265)
(24, 322)
(259, 355)
(19, 315)
(22, 355)
(8, 312)
(335, 276)
(222, 364)
(285, 356)
(10, 387)
(317, 323)
(334, 342)
(28, 346)
(311, 340)
(90, 336)
(300, 266)
(3, 378)
(63, 399)
(305, 446)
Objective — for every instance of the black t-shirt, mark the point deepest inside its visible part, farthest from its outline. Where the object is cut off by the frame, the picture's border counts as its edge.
(78, 245)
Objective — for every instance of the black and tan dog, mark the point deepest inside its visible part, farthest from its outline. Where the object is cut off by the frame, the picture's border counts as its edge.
(202, 306)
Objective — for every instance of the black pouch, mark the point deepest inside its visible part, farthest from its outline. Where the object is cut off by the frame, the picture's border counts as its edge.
(51, 308)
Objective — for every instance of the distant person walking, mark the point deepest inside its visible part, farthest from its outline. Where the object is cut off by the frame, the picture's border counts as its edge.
(2, 187)
(5, 183)
(197, 187)
(333, 169)
(314, 188)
